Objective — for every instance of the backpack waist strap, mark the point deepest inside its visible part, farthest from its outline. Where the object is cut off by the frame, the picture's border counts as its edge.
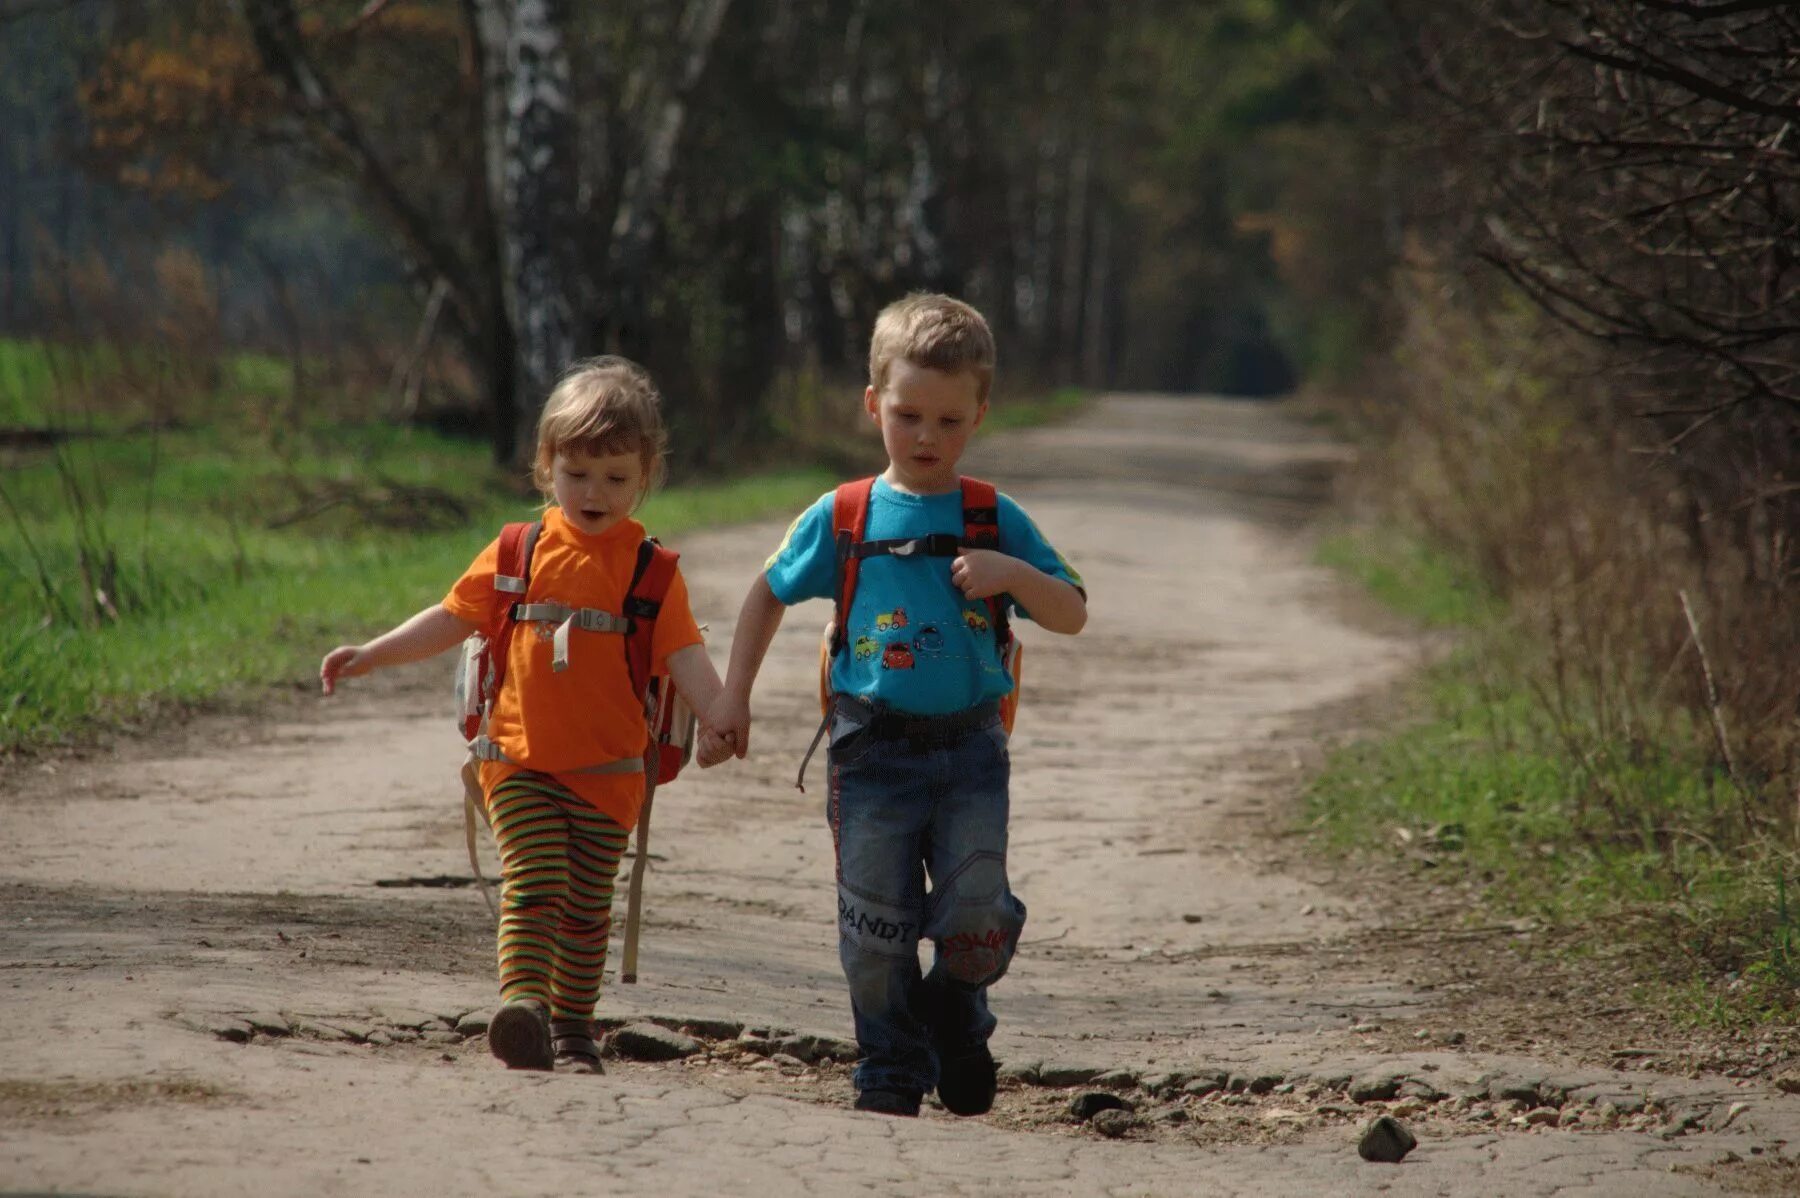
(483, 749)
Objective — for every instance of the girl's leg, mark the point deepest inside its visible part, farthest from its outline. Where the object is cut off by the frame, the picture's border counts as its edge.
(595, 846)
(532, 833)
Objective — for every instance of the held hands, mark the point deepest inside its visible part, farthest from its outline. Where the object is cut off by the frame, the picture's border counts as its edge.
(727, 724)
(345, 661)
(983, 573)
(712, 748)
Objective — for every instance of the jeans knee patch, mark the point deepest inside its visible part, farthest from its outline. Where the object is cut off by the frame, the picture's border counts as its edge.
(976, 921)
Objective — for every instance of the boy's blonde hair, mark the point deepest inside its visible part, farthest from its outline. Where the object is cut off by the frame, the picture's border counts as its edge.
(936, 332)
(600, 406)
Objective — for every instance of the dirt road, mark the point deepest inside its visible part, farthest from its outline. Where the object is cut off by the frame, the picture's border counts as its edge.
(224, 967)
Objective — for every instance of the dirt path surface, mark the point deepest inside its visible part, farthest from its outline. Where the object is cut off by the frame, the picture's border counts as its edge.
(224, 970)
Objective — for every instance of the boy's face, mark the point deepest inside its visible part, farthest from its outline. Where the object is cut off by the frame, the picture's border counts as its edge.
(926, 417)
(596, 491)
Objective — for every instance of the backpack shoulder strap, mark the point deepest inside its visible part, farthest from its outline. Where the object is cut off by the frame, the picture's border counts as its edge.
(981, 530)
(650, 582)
(849, 519)
(512, 578)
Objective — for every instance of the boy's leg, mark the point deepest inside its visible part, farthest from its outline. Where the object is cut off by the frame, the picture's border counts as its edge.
(877, 808)
(971, 915)
(595, 845)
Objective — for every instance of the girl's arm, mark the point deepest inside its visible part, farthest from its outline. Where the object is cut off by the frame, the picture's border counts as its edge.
(1054, 604)
(425, 635)
(695, 678)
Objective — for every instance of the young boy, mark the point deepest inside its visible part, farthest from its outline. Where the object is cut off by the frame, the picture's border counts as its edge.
(918, 758)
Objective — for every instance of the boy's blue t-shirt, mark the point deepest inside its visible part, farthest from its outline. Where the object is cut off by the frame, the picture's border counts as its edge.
(914, 642)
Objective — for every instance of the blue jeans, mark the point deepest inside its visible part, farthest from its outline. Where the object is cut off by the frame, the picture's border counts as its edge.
(905, 810)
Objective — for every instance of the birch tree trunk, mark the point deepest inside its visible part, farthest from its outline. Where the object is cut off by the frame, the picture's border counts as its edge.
(537, 226)
(646, 187)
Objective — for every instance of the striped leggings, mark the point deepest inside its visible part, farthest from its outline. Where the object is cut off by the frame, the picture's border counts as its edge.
(558, 859)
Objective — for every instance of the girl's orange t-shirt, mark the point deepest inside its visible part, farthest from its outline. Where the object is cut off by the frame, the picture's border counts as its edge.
(553, 723)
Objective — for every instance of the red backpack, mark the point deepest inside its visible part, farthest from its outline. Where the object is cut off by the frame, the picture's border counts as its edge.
(981, 530)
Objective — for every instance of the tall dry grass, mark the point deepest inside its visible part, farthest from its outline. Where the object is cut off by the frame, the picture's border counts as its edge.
(1659, 581)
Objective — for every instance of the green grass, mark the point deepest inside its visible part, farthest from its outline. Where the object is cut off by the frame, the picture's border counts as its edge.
(1409, 576)
(1628, 842)
(1027, 412)
(222, 582)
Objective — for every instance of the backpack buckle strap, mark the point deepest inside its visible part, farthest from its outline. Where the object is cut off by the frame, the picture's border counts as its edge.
(509, 584)
(937, 544)
(483, 749)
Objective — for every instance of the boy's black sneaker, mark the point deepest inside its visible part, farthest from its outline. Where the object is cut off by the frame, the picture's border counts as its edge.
(888, 1102)
(966, 1082)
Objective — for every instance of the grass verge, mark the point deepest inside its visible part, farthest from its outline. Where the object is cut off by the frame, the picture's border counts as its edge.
(143, 573)
(1519, 779)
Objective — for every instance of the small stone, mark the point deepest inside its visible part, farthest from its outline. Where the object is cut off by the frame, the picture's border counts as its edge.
(1025, 1073)
(475, 1023)
(764, 1065)
(1374, 1089)
(1541, 1116)
(649, 1042)
(1206, 1082)
(1088, 1103)
(407, 1017)
(1173, 1114)
(1065, 1074)
(1731, 1114)
(710, 1029)
(1412, 1087)
(379, 1037)
(318, 1029)
(1191, 917)
(1113, 1123)
(350, 1029)
(1385, 1140)
(400, 1035)
(1338, 1108)
(1262, 1083)
(1406, 1108)
(788, 1063)
(1789, 1082)
(1524, 1090)
(1118, 1079)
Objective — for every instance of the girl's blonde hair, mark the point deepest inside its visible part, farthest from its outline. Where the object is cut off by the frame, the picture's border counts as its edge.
(600, 406)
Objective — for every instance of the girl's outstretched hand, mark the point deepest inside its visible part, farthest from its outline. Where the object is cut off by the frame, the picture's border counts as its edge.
(345, 661)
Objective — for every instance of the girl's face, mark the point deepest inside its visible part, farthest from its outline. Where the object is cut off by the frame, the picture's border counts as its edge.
(596, 491)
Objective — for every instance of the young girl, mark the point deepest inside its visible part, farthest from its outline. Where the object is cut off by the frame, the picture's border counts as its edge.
(560, 788)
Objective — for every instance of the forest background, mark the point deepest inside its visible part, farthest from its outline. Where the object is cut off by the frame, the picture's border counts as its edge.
(281, 284)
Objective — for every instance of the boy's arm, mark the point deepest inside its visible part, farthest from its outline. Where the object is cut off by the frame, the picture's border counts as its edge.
(427, 634)
(1054, 604)
(758, 621)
